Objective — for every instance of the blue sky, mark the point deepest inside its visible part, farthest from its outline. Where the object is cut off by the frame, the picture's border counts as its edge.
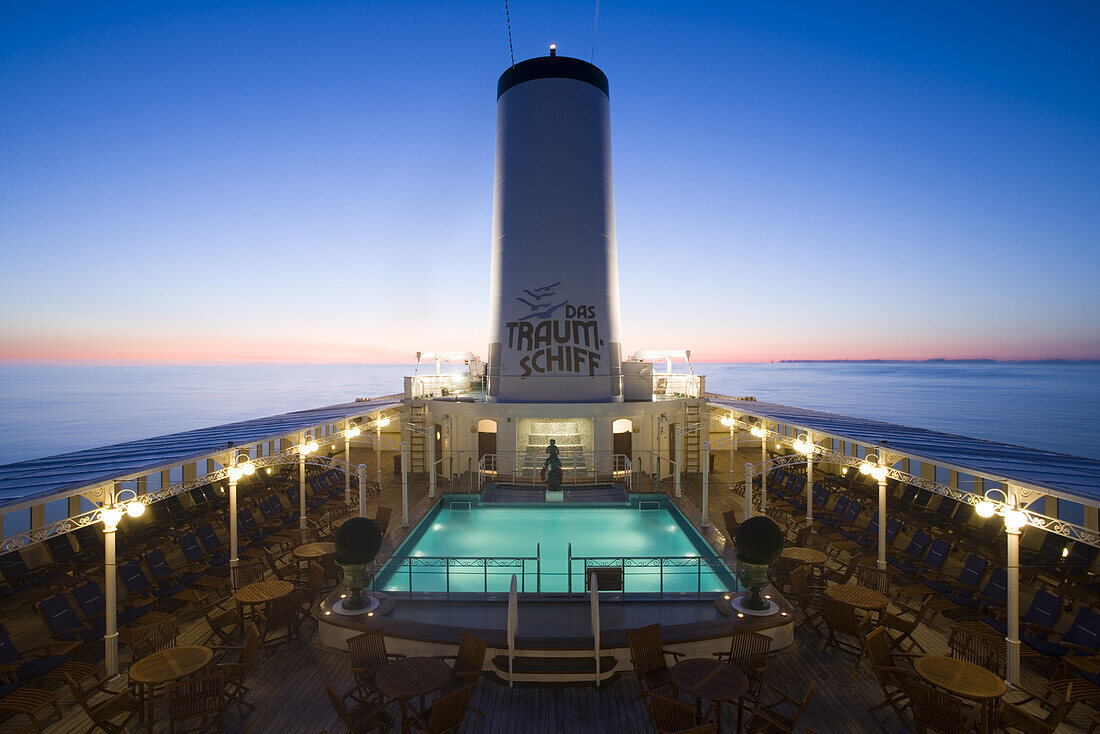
(311, 181)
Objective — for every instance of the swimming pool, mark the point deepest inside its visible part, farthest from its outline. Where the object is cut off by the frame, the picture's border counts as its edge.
(463, 546)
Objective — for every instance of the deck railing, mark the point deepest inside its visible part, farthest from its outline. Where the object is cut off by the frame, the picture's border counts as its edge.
(495, 568)
(673, 573)
(660, 576)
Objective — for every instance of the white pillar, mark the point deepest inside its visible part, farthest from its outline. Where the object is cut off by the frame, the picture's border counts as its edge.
(882, 523)
(763, 468)
(706, 483)
(301, 483)
(378, 449)
(1012, 640)
(431, 459)
(404, 484)
(733, 452)
(679, 434)
(110, 637)
(233, 543)
(748, 491)
(809, 486)
(362, 490)
(347, 464)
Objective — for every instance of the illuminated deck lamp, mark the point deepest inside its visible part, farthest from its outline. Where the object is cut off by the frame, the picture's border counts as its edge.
(111, 515)
(757, 431)
(804, 445)
(305, 448)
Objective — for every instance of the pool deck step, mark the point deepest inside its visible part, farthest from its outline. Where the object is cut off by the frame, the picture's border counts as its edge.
(529, 669)
(537, 495)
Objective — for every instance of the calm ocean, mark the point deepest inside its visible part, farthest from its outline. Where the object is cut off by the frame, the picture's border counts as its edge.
(47, 410)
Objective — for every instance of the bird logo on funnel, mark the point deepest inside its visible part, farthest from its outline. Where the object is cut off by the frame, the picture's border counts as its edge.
(540, 309)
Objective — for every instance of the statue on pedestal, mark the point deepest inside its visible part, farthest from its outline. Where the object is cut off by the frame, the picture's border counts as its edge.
(551, 468)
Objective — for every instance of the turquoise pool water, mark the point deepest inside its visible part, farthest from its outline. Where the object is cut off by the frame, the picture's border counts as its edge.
(462, 546)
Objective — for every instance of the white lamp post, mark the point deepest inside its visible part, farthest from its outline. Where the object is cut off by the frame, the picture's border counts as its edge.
(760, 432)
(235, 472)
(305, 448)
(706, 484)
(1015, 520)
(874, 465)
(350, 432)
(804, 444)
(111, 514)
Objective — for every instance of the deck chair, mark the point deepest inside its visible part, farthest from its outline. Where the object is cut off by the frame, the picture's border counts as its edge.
(196, 556)
(163, 572)
(446, 713)
(279, 614)
(367, 653)
(64, 623)
(874, 578)
(1013, 716)
(965, 582)
(1039, 620)
(938, 711)
(468, 664)
(224, 621)
(806, 601)
(671, 715)
(202, 697)
(237, 671)
(1082, 637)
(139, 586)
(840, 619)
(105, 712)
(766, 718)
(382, 517)
(891, 677)
(361, 718)
(647, 657)
(15, 698)
(980, 649)
(749, 653)
(993, 595)
(93, 605)
(729, 519)
(49, 662)
(245, 574)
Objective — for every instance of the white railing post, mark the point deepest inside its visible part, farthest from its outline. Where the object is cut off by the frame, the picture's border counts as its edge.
(595, 603)
(882, 522)
(347, 460)
(1012, 639)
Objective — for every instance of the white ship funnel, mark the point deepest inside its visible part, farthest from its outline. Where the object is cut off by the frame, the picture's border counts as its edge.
(554, 286)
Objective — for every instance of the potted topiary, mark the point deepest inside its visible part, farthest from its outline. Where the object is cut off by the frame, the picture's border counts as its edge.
(759, 541)
(357, 542)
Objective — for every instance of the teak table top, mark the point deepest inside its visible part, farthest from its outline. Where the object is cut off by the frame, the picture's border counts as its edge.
(314, 550)
(713, 680)
(410, 677)
(262, 592)
(170, 664)
(809, 556)
(857, 596)
(960, 677)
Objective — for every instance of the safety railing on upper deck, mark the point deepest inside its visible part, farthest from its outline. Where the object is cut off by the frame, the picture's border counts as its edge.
(455, 385)
(577, 468)
(672, 386)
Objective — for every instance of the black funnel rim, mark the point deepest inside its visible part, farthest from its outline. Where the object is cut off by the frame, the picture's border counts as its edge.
(552, 67)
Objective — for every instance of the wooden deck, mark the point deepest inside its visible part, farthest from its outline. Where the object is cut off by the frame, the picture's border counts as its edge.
(287, 681)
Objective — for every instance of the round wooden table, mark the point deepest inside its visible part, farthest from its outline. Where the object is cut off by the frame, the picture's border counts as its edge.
(807, 556)
(859, 597)
(411, 677)
(166, 666)
(964, 679)
(310, 551)
(262, 592)
(713, 680)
